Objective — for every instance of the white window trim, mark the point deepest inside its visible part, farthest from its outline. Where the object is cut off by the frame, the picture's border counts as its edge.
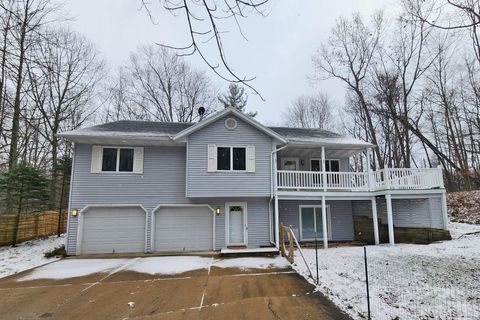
(296, 159)
(320, 161)
(329, 222)
(117, 166)
(231, 158)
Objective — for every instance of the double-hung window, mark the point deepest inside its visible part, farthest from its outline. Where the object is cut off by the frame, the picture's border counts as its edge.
(231, 159)
(117, 159)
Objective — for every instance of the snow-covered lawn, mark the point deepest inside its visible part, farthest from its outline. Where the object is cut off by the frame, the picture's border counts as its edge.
(69, 268)
(27, 255)
(436, 281)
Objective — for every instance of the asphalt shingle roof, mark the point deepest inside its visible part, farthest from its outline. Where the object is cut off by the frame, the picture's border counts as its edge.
(130, 128)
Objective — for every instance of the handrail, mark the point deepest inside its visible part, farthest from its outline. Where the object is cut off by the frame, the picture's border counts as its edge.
(384, 179)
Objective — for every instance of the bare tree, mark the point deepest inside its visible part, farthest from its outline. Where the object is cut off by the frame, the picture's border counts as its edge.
(63, 77)
(28, 17)
(166, 88)
(348, 56)
(205, 22)
(310, 111)
(449, 15)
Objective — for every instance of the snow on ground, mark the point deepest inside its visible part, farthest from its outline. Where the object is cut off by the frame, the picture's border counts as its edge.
(169, 265)
(438, 281)
(69, 268)
(253, 263)
(27, 255)
(464, 206)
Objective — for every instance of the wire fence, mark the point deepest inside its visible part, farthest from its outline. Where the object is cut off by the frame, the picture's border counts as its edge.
(410, 286)
(397, 283)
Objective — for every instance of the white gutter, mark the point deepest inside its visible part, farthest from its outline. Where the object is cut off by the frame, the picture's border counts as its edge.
(273, 172)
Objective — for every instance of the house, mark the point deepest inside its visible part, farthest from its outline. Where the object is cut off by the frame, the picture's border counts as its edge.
(227, 182)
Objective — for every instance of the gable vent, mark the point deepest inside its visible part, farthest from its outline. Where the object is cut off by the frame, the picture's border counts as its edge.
(230, 124)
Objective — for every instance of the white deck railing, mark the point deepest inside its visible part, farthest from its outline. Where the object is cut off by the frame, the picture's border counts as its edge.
(395, 178)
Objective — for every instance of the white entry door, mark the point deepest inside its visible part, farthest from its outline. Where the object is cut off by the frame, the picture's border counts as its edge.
(236, 223)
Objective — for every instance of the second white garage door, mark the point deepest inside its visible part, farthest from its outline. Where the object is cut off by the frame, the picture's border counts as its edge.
(188, 228)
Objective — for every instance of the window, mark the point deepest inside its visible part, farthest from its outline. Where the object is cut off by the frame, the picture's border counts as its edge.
(126, 160)
(223, 158)
(289, 163)
(239, 159)
(311, 222)
(117, 159)
(330, 165)
(231, 158)
(109, 159)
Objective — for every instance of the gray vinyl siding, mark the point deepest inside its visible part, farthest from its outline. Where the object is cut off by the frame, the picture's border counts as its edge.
(421, 213)
(340, 212)
(162, 182)
(202, 183)
(257, 220)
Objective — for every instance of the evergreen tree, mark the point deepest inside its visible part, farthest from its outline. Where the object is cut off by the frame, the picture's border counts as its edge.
(23, 190)
(236, 98)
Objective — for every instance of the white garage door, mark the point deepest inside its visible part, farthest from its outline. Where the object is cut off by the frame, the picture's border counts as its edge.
(113, 230)
(183, 229)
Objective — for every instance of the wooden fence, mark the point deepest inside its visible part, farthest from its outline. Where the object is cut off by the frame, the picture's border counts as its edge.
(31, 226)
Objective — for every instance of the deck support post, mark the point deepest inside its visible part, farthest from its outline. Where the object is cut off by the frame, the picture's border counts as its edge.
(444, 210)
(277, 228)
(324, 173)
(391, 233)
(369, 171)
(324, 223)
(375, 221)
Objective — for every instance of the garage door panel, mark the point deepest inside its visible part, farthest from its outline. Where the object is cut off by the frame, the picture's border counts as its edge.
(183, 229)
(113, 229)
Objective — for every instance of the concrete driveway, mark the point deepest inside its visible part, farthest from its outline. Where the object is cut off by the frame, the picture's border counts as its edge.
(163, 288)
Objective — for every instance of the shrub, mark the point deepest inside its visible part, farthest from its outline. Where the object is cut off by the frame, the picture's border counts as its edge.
(56, 252)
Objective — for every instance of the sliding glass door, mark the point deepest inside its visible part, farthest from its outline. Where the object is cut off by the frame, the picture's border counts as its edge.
(311, 222)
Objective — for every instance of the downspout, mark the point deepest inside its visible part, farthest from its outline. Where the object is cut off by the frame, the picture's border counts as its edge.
(273, 175)
(72, 174)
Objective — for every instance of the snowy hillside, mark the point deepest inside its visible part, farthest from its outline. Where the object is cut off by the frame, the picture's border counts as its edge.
(27, 255)
(464, 206)
(438, 281)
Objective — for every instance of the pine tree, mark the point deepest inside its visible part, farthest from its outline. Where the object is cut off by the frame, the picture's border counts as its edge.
(23, 190)
(236, 98)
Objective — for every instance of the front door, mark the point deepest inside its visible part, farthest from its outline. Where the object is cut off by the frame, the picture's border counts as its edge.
(237, 223)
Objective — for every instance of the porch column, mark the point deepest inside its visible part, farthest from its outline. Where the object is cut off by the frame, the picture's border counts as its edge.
(324, 224)
(445, 210)
(277, 225)
(391, 233)
(324, 173)
(375, 220)
(369, 170)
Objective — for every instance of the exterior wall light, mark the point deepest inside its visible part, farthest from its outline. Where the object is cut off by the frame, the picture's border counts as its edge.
(74, 212)
(218, 211)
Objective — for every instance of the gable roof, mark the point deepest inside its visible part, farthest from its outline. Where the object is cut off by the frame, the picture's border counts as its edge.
(161, 133)
(202, 124)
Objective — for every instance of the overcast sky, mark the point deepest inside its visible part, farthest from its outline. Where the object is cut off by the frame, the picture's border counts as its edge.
(278, 51)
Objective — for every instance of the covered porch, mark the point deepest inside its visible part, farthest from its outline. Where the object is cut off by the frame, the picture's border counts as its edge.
(374, 219)
(327, 168)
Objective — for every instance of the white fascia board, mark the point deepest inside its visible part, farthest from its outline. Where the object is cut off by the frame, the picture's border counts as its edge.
(215, 117)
